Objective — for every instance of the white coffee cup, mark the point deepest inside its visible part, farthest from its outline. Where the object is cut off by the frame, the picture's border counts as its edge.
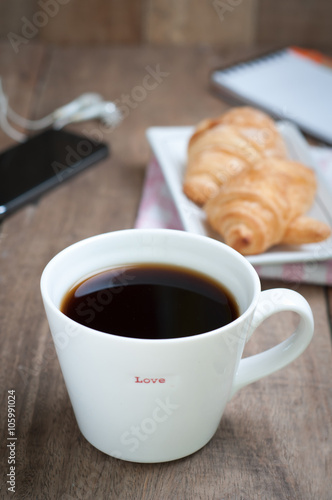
(159, 400)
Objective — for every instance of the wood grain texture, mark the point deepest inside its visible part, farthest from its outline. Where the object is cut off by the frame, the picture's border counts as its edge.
(274, 440)
(216, 22)
(11, 14)
(73, 21)
(83, 21)
(304, 23)
(224, 23)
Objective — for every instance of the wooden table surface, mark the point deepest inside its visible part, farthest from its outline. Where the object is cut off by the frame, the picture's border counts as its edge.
(274, 440)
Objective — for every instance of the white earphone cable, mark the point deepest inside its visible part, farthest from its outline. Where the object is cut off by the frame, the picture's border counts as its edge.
(88, 106)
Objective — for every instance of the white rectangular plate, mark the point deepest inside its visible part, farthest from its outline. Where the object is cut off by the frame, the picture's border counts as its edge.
(169, 145)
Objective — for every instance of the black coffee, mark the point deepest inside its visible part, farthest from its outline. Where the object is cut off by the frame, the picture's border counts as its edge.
(150, 301)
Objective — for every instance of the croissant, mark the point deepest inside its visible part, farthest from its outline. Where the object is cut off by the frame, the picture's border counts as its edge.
(223, 147)
(265, 206)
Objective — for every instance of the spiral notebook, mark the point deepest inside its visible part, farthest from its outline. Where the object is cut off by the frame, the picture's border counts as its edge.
(290, 84)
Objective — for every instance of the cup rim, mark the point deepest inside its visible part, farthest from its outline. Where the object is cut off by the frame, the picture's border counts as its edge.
(89, 240)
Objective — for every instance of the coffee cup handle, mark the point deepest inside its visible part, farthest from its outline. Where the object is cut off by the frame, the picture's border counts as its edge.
(260, 365)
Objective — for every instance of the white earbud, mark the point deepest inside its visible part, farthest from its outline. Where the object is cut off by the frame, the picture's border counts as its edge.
(88, 106)
(103, 110)
(73, 107)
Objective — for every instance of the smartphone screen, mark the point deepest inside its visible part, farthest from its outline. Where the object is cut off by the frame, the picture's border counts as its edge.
(43, 161)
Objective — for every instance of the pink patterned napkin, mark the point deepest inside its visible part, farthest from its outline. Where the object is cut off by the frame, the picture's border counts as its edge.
(157, 210)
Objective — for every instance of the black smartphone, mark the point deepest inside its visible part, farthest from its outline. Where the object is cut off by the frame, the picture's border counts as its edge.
(43, 161)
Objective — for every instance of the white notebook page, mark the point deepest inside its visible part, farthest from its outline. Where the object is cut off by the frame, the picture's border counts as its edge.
(288, 85)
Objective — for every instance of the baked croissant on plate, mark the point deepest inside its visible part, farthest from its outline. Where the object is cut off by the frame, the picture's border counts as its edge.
(223, 147)
(265, 205)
